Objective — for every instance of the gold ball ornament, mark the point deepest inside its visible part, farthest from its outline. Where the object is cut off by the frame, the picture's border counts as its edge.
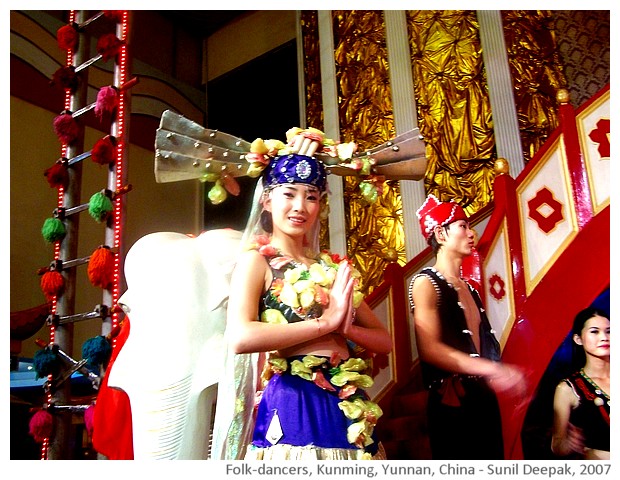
(562, 96)
(390, 254)
(501, 166)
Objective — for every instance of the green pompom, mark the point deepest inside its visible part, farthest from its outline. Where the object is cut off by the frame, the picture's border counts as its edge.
(100, 206)
(53, 230)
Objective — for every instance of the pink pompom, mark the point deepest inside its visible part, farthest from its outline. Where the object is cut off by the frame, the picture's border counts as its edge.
(66, 128)
(89, 419)
(107, 100)
(41, 426)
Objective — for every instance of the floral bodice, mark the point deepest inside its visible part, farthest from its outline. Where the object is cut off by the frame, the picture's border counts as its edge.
(298, 291)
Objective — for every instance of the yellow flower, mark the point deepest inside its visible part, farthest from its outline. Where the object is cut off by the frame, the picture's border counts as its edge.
(255, 169)
(306, 298)
(209, 177)
(273, 317)
(258, 146)
(278, 364)
(353, 365)
(291, 132)
(356, 434)
(346, 150)
(301, 285)
(301, 370)
(353, 378)
(351, 410)
(288, 296)
(313, 361)
(358, 298)
(319, 275)
(274, 146)
(293, 274)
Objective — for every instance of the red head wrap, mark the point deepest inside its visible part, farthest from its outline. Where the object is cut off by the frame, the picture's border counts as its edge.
(434, 213)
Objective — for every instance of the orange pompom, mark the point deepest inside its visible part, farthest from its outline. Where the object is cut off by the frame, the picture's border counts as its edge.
(101, 268)
(52, 284)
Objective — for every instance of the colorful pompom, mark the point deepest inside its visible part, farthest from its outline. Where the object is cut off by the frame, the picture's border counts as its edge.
(89, 419)
(97, 350)
(108, 46)
(45, 362)
(41, 426)
(104, 150)
(53, 230)
(65, 77)
(52, 284)
(100, 206)
(107, 100)
(57, 175)
(67, 37)
(66, 128)
(101, 268)
(114, 15)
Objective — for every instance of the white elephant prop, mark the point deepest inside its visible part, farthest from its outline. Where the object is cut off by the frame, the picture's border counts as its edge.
(175, 366)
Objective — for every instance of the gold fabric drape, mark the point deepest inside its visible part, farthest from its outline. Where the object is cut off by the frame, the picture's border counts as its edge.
(309, 23)
(454, 113)
(537, 74)
(375, 233)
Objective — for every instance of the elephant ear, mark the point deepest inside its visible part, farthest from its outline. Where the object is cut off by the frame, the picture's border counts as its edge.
(226, 241)
(233, 424)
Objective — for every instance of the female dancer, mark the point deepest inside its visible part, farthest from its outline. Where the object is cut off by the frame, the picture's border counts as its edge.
(581, 401)
(302, 308)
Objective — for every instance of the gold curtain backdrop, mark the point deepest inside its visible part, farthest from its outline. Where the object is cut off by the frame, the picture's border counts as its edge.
(375, 233)
(453, 108)
(454, 112)
(309, 23)
(537, 74)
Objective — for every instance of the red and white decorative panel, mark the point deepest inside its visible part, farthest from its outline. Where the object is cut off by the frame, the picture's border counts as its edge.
(546, 213)
(498, 286)
(593, 125)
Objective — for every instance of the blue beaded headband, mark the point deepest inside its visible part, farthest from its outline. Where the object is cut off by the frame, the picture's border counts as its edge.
(294, 168)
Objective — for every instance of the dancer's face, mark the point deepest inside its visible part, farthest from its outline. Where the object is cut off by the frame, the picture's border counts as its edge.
(595, 336)
(294, 208)
(456, 236)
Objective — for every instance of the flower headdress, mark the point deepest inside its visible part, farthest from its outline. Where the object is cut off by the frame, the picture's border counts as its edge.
(185, 150)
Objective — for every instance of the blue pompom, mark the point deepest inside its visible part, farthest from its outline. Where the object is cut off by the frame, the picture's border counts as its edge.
(45, 362)
(97, 350)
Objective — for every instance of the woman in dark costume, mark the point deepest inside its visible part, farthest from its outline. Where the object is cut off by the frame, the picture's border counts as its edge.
(581, 404)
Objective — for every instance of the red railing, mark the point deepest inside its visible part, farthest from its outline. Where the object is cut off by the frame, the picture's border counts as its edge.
(544, 255)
